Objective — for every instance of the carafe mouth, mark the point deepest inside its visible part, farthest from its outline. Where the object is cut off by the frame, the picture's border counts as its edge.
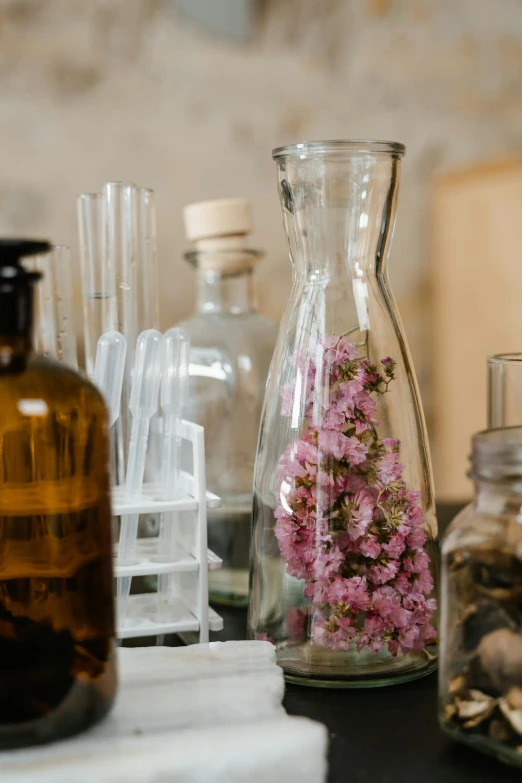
(348, 146)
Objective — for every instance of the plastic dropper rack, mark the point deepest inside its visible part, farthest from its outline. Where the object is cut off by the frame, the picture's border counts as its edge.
(179, 556)
(187, 559)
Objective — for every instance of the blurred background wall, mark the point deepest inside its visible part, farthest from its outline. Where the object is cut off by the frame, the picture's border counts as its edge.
(97, 90)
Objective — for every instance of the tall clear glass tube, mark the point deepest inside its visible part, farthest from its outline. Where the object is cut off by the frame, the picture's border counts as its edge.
(119, 199)
(504, 390)
(120, 204)
(98, 279)
(146, 263)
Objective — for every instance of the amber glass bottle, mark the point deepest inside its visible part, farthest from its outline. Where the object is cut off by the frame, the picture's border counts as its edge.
(57, 663)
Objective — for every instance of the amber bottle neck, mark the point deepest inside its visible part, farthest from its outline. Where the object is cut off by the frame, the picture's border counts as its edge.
(14, 353)
(16, 327)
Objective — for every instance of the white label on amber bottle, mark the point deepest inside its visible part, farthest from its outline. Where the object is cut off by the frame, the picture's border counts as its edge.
(33, 407)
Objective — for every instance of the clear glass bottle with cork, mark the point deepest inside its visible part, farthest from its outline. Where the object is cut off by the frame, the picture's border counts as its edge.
(232, 345)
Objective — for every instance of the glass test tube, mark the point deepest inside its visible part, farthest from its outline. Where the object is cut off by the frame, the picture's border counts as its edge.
(120, 205)
(98, 280)
(65, 330)
(119, 199)
(147, 317)
(146, 263)
(505, 390)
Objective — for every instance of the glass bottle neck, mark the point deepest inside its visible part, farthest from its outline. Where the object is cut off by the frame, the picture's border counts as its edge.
(339, 213)
(227, 294)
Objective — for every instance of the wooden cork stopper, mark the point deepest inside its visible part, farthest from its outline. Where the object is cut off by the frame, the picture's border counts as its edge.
(219, 229)
(218, 218)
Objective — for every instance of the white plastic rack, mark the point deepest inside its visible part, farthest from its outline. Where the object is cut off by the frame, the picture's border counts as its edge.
(187, 562)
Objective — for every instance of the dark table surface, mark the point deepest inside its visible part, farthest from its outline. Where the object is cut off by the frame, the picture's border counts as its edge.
(385, 735)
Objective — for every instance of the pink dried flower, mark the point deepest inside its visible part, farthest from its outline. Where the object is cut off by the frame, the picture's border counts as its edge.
(385, 600)
(421, 561)
(395, 546)
(335, 419)
(347, 524)
(424, 582)
(403, 584)
(328, 563)
(346, 396)
(372, 633)
(369, 547)
(410, 640)
(332, 443)
(365, 404)
(401, 617)
(336, 639)
(416, 539)
(389, 468)
(352, 592)
(380, 574)
(389, 364)
(355, 452)
(338, 349)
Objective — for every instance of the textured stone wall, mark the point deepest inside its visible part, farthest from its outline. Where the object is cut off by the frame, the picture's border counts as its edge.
(95, 90)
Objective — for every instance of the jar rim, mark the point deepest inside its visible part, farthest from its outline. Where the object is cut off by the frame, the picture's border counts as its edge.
(497, 436)
(350, 146)
(505, 358)
(497, 454)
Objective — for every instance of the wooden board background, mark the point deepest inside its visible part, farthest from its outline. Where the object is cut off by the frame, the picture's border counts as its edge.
(477, 304)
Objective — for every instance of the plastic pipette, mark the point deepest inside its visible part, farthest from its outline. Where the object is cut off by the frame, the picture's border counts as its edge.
(174, 398)
(148, 366)
(109, 369)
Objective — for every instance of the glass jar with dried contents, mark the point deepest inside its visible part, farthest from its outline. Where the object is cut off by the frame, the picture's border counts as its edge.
(481, 624)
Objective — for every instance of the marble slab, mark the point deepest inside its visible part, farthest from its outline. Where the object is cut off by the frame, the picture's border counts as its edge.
(207, 713)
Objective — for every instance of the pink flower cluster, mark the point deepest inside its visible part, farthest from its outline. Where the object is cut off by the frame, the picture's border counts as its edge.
(346, 522)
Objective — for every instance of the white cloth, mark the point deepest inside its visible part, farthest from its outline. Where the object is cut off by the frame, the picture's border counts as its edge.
(208, 713)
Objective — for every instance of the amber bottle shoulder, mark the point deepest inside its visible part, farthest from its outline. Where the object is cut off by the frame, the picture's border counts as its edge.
(46, 380)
